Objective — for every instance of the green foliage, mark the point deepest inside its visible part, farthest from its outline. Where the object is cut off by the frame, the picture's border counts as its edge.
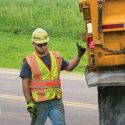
(58, 17)
(18, 18)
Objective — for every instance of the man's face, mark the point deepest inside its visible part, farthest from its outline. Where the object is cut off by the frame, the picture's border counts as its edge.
(41, 48)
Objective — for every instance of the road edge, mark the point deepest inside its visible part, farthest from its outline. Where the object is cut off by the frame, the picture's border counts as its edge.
(64, 74)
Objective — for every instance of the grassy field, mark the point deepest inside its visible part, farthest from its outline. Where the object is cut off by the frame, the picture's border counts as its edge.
(18, 18)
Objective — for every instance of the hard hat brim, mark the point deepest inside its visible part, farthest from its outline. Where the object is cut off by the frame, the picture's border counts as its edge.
(41, 41)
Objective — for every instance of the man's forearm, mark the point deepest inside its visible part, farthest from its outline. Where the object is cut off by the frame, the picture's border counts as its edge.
(26, 89)
(73, 63)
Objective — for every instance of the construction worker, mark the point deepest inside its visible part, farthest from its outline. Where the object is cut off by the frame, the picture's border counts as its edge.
(40, 75)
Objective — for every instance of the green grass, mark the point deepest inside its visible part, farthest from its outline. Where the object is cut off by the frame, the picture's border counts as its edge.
(59, 18)
(18, 18)
(15, 47)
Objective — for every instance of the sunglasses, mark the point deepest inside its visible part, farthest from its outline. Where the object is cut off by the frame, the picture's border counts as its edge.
(41, 45)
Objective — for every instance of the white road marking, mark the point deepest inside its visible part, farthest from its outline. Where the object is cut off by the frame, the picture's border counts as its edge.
(11, 78)
(67, 103)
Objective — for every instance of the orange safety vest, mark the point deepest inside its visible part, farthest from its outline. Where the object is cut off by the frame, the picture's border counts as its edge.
(45, 84)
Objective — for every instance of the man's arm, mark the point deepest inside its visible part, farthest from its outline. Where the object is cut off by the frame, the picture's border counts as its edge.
(26, 89)
(75, 61)
(25, 74)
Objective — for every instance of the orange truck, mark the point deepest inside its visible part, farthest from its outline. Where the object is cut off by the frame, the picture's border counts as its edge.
(104, 34)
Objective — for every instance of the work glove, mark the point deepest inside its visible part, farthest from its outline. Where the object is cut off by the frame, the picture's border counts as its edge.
(31, 107)
(81, 50)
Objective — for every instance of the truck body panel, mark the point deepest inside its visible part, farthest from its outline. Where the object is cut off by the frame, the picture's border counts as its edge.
(104, 34)
(113, 33)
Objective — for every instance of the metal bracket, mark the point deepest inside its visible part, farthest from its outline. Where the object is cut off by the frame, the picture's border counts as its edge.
(102, 1)
(100, 4)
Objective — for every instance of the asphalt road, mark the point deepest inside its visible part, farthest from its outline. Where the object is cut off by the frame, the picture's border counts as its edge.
(80, 102)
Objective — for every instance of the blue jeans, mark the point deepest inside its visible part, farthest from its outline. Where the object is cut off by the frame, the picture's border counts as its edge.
(54, 109)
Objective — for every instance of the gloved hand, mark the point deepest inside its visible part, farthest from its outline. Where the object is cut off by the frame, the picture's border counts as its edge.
(81, 50)
(31, 108)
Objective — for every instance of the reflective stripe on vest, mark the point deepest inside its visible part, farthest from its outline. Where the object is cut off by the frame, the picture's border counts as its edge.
(45, 84)
(44, 81)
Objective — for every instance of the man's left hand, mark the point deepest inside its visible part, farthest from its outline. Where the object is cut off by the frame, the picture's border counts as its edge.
(81, 50)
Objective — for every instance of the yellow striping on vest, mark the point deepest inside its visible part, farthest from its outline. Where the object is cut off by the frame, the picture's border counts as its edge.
(45, 72)
(35, 95)
(49, 93)
(40, 93)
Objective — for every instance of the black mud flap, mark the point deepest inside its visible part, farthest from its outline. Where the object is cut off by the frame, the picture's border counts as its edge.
(111, 102)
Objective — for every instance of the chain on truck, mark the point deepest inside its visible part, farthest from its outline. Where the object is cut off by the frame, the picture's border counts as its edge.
(104, 34)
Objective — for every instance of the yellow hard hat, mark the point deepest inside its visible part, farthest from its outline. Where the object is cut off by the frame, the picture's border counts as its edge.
(40, 36)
